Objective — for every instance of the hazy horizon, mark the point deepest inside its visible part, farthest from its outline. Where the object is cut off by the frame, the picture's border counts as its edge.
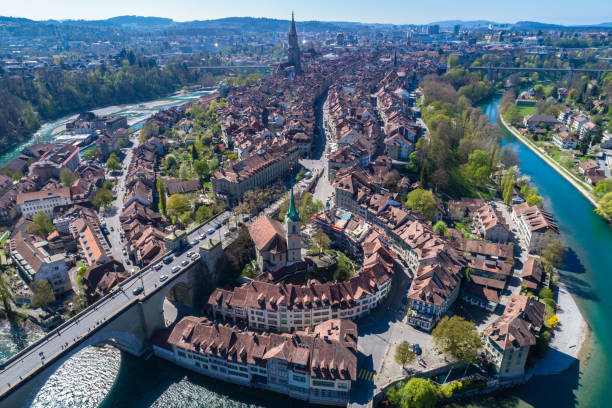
(384, 12)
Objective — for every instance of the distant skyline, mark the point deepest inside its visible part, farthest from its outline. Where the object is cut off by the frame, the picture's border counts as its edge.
(382, 11)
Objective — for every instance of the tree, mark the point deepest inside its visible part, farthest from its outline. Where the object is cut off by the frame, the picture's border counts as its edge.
(344, 268)
(553, 253)
(41, 224)
(535, 199)
(308, 207)
(553, 321)
(177, 205)
(415, 393)
(441, 229)
(91, 154)
(457, 338)
(320, 242)
(404, 355)
(67, 177)
(605, 206)
(507, 185)
(602, 188)
(161, 192)
(508, 157)
(112, 163)
(42, 293)
(194, 153)
(424, 201)
(5, 294)
(391, 180)
(478, 168)
(201, 168)
(102, 198)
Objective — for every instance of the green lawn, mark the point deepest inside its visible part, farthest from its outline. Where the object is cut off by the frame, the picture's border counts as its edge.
(526, 110)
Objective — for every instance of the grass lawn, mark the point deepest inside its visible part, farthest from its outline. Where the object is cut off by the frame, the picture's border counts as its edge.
(526, 110)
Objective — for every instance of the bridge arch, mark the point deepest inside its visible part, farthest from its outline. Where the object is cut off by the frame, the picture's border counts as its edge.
(178, 291)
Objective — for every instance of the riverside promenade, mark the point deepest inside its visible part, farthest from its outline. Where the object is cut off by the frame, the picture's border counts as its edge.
(582, 187)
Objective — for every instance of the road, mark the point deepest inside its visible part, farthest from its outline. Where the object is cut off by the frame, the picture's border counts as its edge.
(85, 323)
(112, 214)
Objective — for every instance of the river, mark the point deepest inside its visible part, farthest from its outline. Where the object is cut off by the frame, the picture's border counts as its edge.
(104, 377)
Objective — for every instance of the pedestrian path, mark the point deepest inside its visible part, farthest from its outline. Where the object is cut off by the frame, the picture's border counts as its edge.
(366, 375)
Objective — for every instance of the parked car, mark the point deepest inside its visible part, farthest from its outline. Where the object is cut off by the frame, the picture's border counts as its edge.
(226, 234)
(210, 231)
(195, 242)
(158, 266)
(218, 226)
(163, 278)
(175, 269)
(168, 259)
(138, 291)
(190, 253)
(185, 262)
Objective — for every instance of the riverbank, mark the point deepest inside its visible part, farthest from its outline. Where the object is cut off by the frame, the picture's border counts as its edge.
(569, 339)
(551, 162)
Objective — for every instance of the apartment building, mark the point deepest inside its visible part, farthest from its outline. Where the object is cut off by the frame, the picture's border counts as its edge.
(512, 334)
(34, 259)
(43, 200)
(318, 366)
(536, 227)
(261, 169)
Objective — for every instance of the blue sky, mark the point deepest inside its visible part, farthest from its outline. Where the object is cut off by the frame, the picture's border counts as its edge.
(369, 11)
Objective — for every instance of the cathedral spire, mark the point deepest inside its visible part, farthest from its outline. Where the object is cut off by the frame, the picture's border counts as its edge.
(293, 30)
(292, 212)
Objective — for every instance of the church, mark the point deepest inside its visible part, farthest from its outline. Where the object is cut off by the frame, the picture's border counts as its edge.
(294, 54)
(276, 246)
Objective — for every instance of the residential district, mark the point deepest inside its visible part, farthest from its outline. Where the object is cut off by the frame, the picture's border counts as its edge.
(322, 255)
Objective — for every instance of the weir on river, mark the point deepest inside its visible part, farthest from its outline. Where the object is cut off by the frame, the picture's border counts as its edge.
(128, 381)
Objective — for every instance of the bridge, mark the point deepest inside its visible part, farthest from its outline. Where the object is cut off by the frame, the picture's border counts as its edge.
(570, 71)
(125, 318)
(233, 67)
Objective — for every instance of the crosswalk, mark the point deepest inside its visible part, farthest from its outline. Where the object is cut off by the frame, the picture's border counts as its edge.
(366, 375)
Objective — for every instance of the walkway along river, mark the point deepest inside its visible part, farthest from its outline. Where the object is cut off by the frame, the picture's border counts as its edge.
(104, 377)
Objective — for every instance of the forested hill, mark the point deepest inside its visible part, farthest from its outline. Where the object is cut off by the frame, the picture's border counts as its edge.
(52, 93)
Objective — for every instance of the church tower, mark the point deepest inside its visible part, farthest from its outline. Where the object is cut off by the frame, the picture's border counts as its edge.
(292, 229)
(294, 49)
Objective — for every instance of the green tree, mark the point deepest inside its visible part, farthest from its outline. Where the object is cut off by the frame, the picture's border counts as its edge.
(535, 199)
(177, 205)
(415, 393)
(404, 355)
(41, 224)
(440, 228)
(553, 253)
(344, 268)
(457, 338)
(478, 168)
(112, 163)
(424, 201)
(602, 188)
(91, 154)
(201, 168)
(102, 198)
(67, 177)
(508, 181)
(308, 207)
(320, 242)
(5, 294)
(161, 191)
(194, 153)
(42, 293)
(605, 206)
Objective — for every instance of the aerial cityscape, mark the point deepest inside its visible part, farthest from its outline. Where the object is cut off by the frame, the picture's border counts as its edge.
(261, 203)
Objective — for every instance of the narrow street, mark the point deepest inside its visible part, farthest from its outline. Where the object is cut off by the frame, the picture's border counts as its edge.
(112, 214)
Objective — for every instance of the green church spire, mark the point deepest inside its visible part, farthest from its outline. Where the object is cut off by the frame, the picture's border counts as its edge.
(293, 213)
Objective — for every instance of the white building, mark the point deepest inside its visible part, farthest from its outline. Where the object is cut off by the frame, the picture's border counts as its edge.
(536, 227)
(43, 200)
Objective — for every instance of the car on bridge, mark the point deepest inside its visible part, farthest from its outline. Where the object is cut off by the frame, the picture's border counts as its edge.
(210, 231)
(158, 266)
(163, 278)
(185, 262)
(194, 241)
(168, 259)
(138, 291)
(175, 269)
